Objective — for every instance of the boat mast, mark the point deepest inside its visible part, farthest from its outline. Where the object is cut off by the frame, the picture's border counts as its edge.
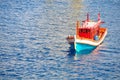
(77, 27)
(98, 16)
(99, 22)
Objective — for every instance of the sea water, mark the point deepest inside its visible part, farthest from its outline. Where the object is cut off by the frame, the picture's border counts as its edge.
(33, 44)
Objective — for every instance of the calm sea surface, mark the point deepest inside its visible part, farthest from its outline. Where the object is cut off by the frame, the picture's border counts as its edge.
(33, 44)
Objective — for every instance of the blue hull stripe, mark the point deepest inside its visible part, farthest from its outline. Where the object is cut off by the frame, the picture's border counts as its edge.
(80, 47)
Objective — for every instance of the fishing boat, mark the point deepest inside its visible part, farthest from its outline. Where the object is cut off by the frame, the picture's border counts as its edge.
(88, 36)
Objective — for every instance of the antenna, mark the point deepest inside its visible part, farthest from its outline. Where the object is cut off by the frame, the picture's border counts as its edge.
(87, 16)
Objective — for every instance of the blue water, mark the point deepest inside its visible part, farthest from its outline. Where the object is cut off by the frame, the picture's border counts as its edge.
(33, 45)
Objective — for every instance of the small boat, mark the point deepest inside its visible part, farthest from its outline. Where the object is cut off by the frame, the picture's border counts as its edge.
(88, 36)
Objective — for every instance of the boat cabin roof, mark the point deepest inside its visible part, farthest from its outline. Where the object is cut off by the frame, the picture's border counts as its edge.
(89, 24)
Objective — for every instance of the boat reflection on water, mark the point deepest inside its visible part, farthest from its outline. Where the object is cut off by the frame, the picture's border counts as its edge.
(77, 56)
(72, 52)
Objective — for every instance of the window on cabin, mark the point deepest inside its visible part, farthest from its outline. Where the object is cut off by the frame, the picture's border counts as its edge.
(84, 30)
